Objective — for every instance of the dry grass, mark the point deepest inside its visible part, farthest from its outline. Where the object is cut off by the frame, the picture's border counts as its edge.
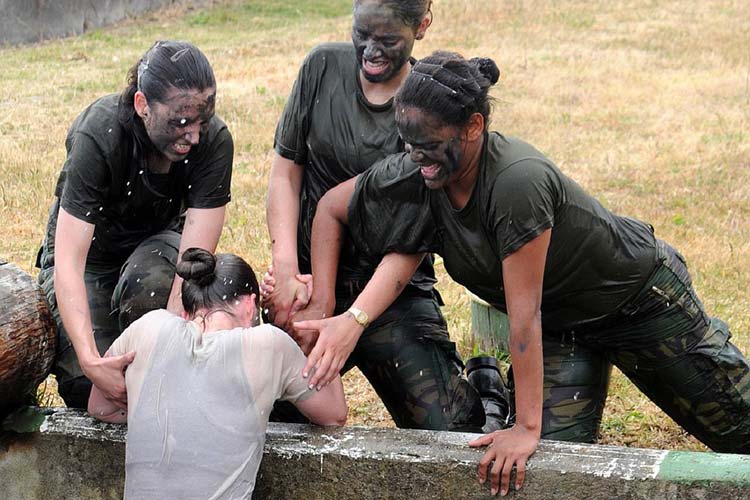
(645, 103)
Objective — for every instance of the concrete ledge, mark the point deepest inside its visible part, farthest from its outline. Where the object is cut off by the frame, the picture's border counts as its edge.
(74, 456)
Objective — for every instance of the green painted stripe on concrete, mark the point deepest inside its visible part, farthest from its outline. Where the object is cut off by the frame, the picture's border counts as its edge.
(691, 467)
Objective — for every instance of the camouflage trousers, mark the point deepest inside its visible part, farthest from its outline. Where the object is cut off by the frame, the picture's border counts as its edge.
(410, 361)
(118, 293)
(667, 345)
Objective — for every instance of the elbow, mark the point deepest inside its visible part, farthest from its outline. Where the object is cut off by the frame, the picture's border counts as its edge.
(336, 418)
(341, 417)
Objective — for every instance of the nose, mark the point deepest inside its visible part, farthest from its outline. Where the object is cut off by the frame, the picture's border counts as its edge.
(372, 50)
(416, 154)
(193, 133)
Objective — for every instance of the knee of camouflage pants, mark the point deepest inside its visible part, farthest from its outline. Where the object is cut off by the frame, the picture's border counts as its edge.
(146, 277)
(416, 370)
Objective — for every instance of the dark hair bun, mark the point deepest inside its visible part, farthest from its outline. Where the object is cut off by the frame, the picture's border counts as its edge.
(197, 265)
(487, 68)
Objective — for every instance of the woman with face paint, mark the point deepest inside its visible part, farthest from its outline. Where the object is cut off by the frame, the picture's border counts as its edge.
(583, 288)
(202, 385)
(338, 121)
(147, 175)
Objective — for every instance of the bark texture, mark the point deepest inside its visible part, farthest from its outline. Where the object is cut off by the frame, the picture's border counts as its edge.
(27, 337)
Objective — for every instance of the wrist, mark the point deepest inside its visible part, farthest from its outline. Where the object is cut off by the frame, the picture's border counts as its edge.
(359, 316)
(286, 263)
(533, 428)
(88, 360)
(319, 302)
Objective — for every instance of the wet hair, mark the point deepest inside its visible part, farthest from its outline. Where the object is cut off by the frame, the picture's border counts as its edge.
(411, 12)
(166, 65)
(450, 87)
(214, 282)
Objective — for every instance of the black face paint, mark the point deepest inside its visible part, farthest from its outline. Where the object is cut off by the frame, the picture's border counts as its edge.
(382, 41)
(434, 146)
(176, 125)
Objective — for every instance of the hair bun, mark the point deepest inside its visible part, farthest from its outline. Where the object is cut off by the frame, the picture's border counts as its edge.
(197, 265)
(487, 68)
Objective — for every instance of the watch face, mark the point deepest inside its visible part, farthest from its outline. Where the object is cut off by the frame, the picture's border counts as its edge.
(359, 315)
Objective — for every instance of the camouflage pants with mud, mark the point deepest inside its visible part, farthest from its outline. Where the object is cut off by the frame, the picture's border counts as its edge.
(409, 360)
(118, 293)
(666, 344)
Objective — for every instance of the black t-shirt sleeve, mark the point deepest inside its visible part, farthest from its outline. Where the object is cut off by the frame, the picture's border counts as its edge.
(86, 179)
(294, 124)
(522, 204)
(209, 184)
(389, 210)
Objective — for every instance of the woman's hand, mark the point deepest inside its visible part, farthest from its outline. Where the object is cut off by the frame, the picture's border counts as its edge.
(284, 294)
(108, 375)
(337, 337)
(507, 449)
(305, 339)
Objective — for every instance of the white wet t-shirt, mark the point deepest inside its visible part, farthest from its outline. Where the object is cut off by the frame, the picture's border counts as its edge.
(198, 405)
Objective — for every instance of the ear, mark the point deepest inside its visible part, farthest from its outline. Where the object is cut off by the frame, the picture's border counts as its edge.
(140, 104)
(475, 127)
(251, 303)
(423, 25)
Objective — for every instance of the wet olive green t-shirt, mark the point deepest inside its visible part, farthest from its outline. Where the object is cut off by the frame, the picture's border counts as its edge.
(106, 181)
(596, 260)
(331, 130)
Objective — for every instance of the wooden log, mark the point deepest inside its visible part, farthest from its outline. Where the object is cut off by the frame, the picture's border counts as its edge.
(27, 337)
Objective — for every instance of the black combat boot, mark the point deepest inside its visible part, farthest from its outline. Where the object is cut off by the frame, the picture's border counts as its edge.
(483, 373)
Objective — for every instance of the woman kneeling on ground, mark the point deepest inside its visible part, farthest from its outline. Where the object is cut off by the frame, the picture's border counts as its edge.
(583, 288)
(201, 386)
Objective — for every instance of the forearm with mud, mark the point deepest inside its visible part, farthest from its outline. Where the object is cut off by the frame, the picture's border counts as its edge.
(528, 372)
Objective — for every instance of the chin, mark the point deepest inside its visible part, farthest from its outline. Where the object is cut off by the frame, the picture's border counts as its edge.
(435, 183)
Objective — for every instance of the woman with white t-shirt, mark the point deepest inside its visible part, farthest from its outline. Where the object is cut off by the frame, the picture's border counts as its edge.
(202, 385)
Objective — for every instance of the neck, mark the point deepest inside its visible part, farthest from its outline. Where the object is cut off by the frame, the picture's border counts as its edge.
(212, 321)
(461, 186)
(157, 163)
(382, 92)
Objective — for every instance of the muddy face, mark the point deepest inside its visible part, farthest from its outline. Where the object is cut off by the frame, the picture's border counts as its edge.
(175, 125)
(433, 145)
(382, 41)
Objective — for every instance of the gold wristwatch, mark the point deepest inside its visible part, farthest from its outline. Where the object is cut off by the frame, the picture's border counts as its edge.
(359, 316)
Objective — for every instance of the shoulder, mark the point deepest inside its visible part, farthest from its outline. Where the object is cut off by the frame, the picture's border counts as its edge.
(217, 132)
(514, 161)
(99, 122)
(333, 52)
(335, 59)
(154, 321)
(270, 337)
(395, 170)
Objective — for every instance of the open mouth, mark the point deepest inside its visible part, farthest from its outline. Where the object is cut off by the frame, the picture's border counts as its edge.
(376, 67)
(430, 172)
(181, 149)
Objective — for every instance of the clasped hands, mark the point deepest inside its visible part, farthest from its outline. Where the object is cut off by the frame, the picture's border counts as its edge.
(326, 340)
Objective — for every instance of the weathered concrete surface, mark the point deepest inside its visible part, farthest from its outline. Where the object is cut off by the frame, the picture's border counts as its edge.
(75, 457)
(23, 21)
